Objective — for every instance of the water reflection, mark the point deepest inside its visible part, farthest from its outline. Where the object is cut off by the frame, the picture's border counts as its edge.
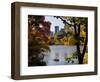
(58, 55)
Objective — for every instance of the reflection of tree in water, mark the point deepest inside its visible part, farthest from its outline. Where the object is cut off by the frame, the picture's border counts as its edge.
(56, 57)
(65, 55)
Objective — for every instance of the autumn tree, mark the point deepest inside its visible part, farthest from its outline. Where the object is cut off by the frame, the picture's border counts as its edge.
(76, 23)
(38, 30)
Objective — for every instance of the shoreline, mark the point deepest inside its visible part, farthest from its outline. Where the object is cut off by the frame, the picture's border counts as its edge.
(62, 45)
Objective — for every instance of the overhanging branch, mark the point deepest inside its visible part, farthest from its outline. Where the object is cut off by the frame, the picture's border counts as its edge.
(65, 21)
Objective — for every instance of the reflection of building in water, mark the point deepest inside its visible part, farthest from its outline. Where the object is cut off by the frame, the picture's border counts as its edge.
(65, 55)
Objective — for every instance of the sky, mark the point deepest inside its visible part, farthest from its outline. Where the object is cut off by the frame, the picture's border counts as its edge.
(54, 22)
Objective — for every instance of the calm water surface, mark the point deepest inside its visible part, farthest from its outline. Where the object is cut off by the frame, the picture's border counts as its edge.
(58, 54)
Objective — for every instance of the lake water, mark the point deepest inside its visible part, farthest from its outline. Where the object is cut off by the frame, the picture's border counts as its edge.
(58, 54)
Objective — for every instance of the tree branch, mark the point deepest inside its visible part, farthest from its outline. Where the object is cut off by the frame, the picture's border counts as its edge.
(64, 20)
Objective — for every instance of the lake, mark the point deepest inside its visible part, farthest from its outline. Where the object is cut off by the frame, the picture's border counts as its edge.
(58, 54)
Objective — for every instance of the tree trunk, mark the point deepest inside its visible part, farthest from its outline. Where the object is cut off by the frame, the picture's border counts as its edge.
(80, 59)
(86, 41)
(77, 35)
